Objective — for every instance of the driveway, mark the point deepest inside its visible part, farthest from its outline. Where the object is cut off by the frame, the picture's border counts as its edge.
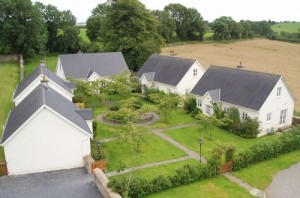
(74, 183)
(285, 184)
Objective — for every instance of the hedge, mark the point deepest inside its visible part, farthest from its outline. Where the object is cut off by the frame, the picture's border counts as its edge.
(264, 151)
(140, 187)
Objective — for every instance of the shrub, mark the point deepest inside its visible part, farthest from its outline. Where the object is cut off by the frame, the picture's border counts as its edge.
(95, 152)
(249, 128)
(160, 183)
(149, 91)
(189, 104)
(114, 108)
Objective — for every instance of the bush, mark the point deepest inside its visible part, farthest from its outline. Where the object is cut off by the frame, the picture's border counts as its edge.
(114, 108)
(149, 91)
(95, 152)
(189, 104)
(264, 151)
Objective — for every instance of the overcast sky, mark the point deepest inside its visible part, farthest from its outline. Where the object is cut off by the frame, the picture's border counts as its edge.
(254, 10)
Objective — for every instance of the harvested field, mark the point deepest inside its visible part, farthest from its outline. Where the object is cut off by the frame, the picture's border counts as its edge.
(258, 55)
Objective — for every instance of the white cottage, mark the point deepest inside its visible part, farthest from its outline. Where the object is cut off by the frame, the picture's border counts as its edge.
(43, 75)
(46, 132)
(91, 66)
(266, 97)
(170, 74)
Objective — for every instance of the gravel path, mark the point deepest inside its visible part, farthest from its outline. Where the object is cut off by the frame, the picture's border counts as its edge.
(285, 184)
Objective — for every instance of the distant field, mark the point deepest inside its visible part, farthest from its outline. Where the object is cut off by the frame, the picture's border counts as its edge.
(286, 27)
(258, 54)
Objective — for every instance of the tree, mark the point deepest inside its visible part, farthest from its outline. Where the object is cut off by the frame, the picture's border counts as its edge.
(208, 122)
(94, 22)
(226, 28)
(167, 26)
(21, 26)
(130, 28)
(189, 22)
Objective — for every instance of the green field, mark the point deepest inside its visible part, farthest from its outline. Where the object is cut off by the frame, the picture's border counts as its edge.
(286, 27)
(83, 35)
(9, 75)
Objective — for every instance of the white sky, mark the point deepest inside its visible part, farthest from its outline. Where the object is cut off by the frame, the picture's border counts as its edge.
(254, 10)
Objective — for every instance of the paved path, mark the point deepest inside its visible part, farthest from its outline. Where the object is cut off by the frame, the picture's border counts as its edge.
(112, 173)
(253, 191)
(285, 184)
(63, 184)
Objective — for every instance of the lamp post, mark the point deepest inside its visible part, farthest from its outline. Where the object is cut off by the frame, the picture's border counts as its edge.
(200, 143)
(98, 145)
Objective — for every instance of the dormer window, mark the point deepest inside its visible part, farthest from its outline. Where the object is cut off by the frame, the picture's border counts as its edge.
(195, 72)
(278, 91)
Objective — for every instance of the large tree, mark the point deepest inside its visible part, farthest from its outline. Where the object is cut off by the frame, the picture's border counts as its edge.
(130, 28)
(21, 26)
(189, 22)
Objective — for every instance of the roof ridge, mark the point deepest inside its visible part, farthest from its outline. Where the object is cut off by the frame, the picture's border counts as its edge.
(162, 55)
(249, 71)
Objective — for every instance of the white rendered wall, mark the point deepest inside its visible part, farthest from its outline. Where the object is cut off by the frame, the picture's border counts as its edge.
(59, 70)
(46, 143)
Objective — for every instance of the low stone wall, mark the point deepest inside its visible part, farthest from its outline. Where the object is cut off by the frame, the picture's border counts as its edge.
(88, 161)
(7, 58)
(101, 182)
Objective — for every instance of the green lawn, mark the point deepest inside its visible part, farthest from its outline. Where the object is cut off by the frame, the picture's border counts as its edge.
(9, 75)
(31, 64)
(166, 169)
(154, 150)
(189, 137)
(286, 27)
(83, 35)
(260, 175)
(219, 187)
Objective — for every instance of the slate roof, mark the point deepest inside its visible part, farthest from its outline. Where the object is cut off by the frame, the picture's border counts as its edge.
(41, 70)
(104, 64)
(168, 69)
(215, 95)
(70, 85)
(86, 114)
(149, 76)
(42, 95)
(237, 86)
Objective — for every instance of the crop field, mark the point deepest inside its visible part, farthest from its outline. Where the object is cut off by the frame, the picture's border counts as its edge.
(258, 55)
(286, 27)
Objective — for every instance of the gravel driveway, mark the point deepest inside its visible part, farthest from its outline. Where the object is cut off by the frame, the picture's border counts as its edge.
(285, 184)
(74, 183)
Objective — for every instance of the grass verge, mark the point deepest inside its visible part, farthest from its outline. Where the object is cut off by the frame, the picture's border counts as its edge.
(219, 187)
(262, 179)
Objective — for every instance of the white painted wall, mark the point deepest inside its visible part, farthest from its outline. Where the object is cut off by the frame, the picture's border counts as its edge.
(36, 83)
(94, 77)
(189, 80)
(274, 104)
(47, 142)
(59, 70)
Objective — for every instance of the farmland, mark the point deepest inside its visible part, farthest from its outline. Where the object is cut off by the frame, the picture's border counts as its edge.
(286, 27)
(258, 55)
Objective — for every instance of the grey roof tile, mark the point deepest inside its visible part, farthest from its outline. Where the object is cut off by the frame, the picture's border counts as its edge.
(41, 70)
(86, 114)
(42, 95)
(168, 69)
(215, 95)
(104, 64)
(70, 85)
(237, 86)
(149, 76)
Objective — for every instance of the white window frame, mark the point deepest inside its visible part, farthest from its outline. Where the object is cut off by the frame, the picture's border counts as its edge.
(282, 119)
(244, 115)
(208, 109)
(279, 90)
(199, 102)
(226, 109)
(168, 90)
(187, 91)
(195, 72)
(269, 117)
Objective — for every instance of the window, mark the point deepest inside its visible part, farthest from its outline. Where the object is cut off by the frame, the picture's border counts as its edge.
(168, 90)
(195, 72)
(244, 115)
(187, 91)
(199, 103)
(226, 109)
(279, 91)
(282, 116)
(269, 115)
(207, 110)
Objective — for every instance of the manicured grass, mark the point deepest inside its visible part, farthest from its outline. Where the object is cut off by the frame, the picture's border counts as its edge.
(178, 117)
(31, 64)
(219, 187)
(297, 113)
(83, 35)
(260, 175)
(166, 169)
(286, 27)
(9, 77)
(189, 137)
(153, 150)
(105, 131)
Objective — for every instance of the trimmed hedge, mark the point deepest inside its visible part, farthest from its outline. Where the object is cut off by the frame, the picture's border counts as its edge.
(140, 187)
(264, 151)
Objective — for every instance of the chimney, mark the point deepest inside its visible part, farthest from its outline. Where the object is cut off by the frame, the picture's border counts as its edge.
(44, 80)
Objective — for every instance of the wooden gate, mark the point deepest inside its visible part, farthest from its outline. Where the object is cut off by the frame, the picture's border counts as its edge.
(102, 164)
(226, 167)
(3, 169)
